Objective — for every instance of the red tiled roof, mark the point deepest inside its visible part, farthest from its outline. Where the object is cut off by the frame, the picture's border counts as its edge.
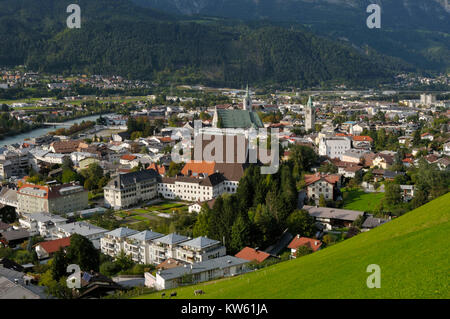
(314, 244)
(332, 179)
(128, 157)
(53, 246)
(165, 139)
(160, 169)
(201, 167)
(362, 138)
(252, 254)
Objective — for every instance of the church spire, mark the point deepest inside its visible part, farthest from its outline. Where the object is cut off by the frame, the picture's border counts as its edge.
(310, 102)
(247, 103)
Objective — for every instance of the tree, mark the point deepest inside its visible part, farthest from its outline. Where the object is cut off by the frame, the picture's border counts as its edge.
(201, 227)
(174, 169)
(358, 221)
(300, 222)
(68, 176)
(393, 194)
(303, 251)
(109, 268)
(59, 264)
(83, 253)
(322, 201)
(124, 261)
(240, 233)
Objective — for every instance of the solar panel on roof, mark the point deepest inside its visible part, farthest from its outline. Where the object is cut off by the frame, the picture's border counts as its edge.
(87, 277)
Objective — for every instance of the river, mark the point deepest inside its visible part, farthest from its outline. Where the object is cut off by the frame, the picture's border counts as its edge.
(44, 130)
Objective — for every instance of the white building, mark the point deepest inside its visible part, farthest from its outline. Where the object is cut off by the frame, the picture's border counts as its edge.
(191, 188)
(334, 147)
(129, 189)
(200, 249)
(113, 242)
(91, 232)
(138, 246)
(165, 247)
(225, 266)
(41, 224)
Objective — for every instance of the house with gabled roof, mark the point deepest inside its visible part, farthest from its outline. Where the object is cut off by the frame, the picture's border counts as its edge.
(330, 218)
(323, 184)
(46, 249)
(298, 241)
(252, 254)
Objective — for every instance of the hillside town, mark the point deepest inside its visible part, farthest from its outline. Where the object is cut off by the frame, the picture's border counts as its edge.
(348, 163)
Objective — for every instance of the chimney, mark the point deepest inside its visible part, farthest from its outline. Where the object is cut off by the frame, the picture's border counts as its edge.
(298, 236)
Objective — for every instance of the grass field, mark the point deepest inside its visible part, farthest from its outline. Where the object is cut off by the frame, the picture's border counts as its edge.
(413, 252)
(356, 199)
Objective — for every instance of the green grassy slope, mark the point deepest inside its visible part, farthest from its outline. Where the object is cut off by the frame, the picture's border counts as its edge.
(413, 252)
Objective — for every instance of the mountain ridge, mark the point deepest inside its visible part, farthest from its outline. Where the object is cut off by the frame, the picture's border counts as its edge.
(416, 31)
(121, 38)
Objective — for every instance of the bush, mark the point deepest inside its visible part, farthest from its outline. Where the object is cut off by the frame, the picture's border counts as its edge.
(109, 268)
(303, 251)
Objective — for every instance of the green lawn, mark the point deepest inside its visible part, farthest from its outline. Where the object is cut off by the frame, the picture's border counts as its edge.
(413, 252)
(356, 199)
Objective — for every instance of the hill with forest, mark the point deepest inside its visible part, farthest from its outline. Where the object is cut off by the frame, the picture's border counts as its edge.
(416, 31)
(118, 37)
(413, 253)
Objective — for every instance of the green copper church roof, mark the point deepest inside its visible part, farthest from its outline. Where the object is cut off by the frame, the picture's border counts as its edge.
(310, 102)
(239, 119)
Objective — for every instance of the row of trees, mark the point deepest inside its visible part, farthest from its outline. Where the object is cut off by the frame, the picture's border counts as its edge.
(263, 207)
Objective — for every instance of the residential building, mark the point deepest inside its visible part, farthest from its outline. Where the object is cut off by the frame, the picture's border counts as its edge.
(46, 249)
(225, 266)
(91, 232)
(334, 147)
(138, 246)
(60, 199)
(252, 254)
(14, 163)
(298, 241)
(41, 224)
(330, 218)
(8, 197)
(199, 249)
(355, 156)
(372, 222)
(165, 247)
(130, 189)
(113, 242)
(323, 184)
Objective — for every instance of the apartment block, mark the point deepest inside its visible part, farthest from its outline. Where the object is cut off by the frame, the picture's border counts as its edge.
(200, 249)
(60, 199)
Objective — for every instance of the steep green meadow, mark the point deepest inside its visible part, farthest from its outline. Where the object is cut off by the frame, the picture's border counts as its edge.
(413, 252)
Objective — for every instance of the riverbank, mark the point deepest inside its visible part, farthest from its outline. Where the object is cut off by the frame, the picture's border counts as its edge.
(20, 138)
